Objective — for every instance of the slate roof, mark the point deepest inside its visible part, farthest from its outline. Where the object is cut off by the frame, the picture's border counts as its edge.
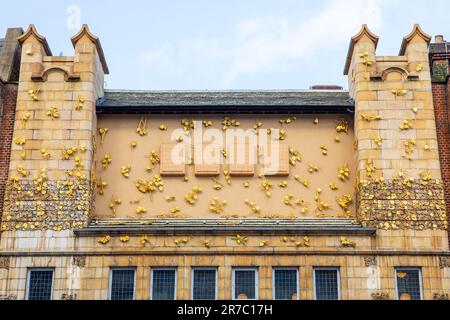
(235, 101)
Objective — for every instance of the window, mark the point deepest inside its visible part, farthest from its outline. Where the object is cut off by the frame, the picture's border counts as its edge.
(204, 284)
(40, 284)
(408, 281)
(285, 284)
(245, 283)
(122, 284)
(164, 284)
(326, 284)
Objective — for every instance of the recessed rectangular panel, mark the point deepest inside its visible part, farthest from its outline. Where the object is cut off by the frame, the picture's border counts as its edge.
(173, 159)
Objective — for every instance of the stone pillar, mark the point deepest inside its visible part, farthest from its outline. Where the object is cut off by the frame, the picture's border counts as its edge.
(399, 177)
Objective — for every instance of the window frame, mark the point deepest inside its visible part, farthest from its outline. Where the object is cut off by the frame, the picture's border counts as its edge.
(29, 270)
(152, 269)
(216, 291)
(233, 281)
(419, 269)
(338, 273)
(111, 271)
(274, 269)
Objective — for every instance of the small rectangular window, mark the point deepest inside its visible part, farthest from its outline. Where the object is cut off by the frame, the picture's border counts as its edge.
(40, 284)
(326, 283)
(204, 284)
(163, 284)
(409, 283)
(245, 284)
(122, 284)
(285, 284)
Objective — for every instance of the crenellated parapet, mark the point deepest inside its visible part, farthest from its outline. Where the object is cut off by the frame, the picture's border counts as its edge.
(399, 175)
(50, 182)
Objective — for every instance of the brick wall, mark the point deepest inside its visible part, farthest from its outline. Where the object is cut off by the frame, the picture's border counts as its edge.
(441, 110)
(8, 96)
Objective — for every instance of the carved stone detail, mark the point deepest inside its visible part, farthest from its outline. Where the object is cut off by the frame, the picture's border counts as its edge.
(8, 297)
(440, 296)
(67, 296)
(4, 262)
(370, 261)
(444, 262)
(380, 296)
(79, 261)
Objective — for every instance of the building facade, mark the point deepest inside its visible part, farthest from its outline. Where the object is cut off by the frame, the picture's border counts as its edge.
(336, 195)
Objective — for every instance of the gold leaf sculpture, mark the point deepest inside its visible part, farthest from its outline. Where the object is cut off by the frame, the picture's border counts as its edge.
(26, 117)
(124, 239)
(228, 122)
(320, 205)
(344, 202)
(106, 160)
(188, 124)
(101, 185)
(379, 141)
(114, 202)
(125, 171)
(162, 127)
(207, 243)
(370, 168)
(312, 168)
(141, 210)
(45, 154)
(175, 210)
(344, 172)
(240, 240)
(324, 149)
(369, 118)
(333, 186)
(34, 94)
(21, 171)
(283, 184)
(342, 126)
(399, 92)
(347, 243)
(152, 185)
(20, 141)
(133, 144)
(295, 156)
(192, 196)
(154, 160)
(287, 120)
(104, 240)
(142, 127)
(180, 242)
(170, 198)
(253, 206)
(79, 104)
(144, 240)
(68, 153)
(53, 113)
(407, 125)
(266, 185)
(217, 206)
(207, 123)
(102, 132)
(409, 146)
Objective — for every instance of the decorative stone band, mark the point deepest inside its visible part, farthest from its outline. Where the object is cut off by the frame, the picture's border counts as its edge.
(401, 204)
(47, 205)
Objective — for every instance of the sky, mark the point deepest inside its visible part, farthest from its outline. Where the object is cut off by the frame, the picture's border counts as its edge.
(225, 44)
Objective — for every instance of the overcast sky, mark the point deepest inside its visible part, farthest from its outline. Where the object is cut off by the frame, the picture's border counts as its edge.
(226, 44)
